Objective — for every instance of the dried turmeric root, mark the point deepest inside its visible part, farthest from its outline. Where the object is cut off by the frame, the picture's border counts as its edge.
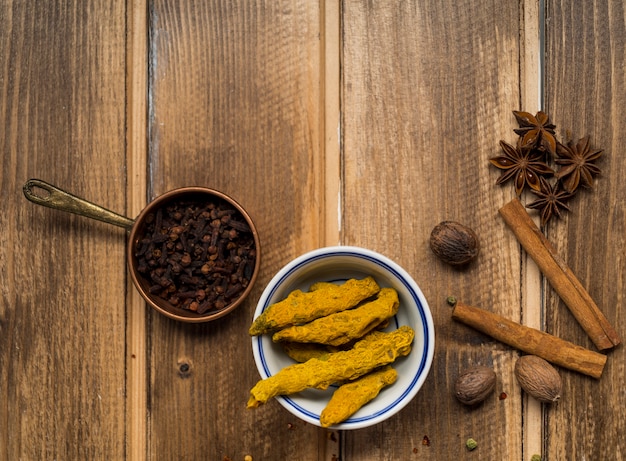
(350, 397)
(301, 307)
(301, 352)
(345, 326)
(373, 351)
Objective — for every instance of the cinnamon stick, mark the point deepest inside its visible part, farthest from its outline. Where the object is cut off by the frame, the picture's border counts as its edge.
(531, 340)
(560, 277)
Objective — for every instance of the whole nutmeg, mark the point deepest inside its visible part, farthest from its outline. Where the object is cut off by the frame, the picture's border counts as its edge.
(475, 384)
(454, 243)
(538, 378)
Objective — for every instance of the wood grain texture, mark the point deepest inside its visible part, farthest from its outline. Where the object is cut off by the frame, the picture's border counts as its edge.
(585, 94)
(62, 319)
(121, 101)
(236, 105)
(136, 162)
(428, 92)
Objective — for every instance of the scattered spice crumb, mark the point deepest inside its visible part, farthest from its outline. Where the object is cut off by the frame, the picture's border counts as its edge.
(451, 300)
(471, 444)
(289, 426)
(535, 458)
(503, 396)
(426, 441)
(415, 450)
(334, 458)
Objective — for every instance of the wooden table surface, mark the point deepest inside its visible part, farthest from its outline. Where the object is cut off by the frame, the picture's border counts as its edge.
(332, 122)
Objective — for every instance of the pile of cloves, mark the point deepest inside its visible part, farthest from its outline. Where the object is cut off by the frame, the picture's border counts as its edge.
(199, 256)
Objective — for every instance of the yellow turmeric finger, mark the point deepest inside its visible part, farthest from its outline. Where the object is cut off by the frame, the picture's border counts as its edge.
(345, 326)
(301, 352)
(373, 351)
(322, 285)
(350, 397)
(302, 307)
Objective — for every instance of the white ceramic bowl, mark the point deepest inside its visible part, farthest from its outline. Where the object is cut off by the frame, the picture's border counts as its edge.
(338, 264)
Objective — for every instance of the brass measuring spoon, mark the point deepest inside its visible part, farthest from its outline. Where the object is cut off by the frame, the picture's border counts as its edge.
(43, 193)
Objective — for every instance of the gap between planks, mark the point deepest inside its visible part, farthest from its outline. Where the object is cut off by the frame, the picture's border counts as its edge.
(330, 150)
(531, 87)
(136, 442)
(330, 68)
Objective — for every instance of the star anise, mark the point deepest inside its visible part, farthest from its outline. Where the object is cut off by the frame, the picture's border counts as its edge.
(576, 164)
(536, 131)
(525, 165)
(551, 200)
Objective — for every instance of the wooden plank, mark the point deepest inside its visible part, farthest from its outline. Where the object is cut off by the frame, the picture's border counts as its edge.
(136, 161)
(62, 318)
(428, 90)
(585, 89)
(236, 97)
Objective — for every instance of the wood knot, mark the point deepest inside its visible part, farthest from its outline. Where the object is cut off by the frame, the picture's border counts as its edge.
(184, 368)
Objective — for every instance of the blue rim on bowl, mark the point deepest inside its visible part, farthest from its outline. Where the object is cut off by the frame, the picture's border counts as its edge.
(337, 264)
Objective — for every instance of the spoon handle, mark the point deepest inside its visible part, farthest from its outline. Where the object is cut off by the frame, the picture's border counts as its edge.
(42, 193)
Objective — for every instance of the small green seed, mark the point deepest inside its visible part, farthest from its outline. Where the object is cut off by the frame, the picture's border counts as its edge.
(451, 300)
(535, 458)
(471, 444)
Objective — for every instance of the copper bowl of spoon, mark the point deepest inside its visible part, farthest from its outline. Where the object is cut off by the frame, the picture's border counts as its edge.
(193, 253)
